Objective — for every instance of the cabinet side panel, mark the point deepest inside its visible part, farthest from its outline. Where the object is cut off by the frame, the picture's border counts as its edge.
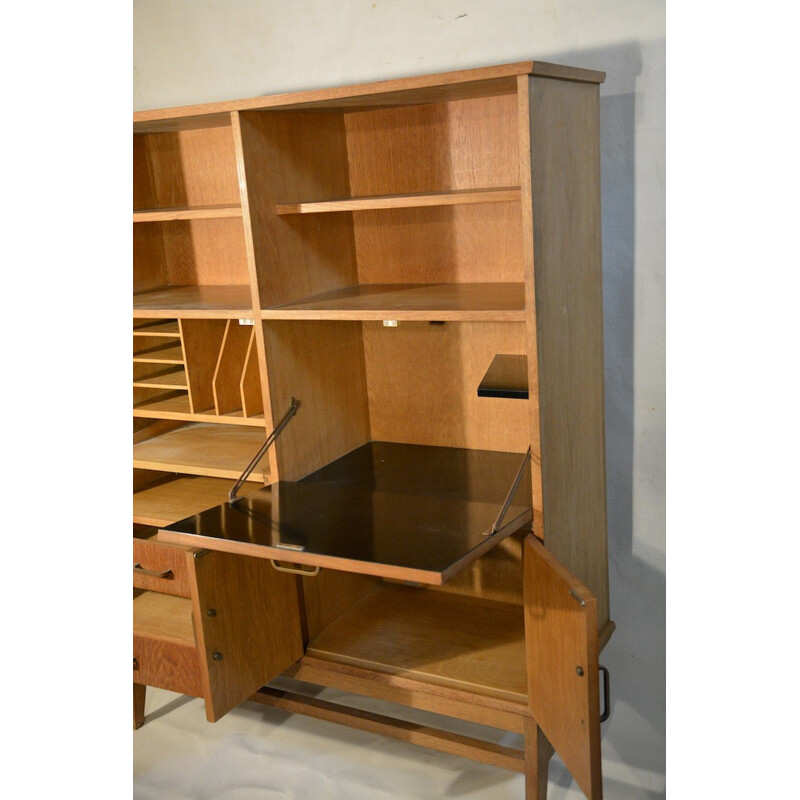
(565, 152)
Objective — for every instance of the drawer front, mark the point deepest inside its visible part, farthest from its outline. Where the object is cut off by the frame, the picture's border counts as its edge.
(161, 568)
(174, 666)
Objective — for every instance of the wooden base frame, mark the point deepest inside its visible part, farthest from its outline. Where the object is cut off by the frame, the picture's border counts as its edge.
(532, 760)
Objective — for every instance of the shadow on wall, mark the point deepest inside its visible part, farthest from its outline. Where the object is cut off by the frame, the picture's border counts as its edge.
(636, 654)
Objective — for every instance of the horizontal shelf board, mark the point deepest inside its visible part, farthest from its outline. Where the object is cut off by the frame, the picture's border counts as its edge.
(221, 211)
(507, 376)
(167, 329)
(195, 302)
(177, 407)
(213, 450)
(161, 354)
(409, 512)
(174, 499)
(163, 616)
(443, 638)
(490, 302)
(163, 379)
(504, 194)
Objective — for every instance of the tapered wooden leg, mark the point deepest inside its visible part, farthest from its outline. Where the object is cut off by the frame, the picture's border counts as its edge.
(139, 690)
(537, 757)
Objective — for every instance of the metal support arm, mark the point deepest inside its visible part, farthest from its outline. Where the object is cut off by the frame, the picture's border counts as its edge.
(232, 496)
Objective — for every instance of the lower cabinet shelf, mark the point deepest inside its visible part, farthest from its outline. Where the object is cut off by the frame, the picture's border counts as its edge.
(440, 638)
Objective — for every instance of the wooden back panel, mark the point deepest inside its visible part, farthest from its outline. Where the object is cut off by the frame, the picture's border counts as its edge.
(184, 168)
(437, 147)
(423, 379)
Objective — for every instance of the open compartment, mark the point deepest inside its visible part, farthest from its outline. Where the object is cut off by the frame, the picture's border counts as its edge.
(387, 207)
(188, 239)
(208, 372)
(394, 466)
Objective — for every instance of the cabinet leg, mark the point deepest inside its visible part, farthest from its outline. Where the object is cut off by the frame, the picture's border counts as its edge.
(139, 690)
(537, 757)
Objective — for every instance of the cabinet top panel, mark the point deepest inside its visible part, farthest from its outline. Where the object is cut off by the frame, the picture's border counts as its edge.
(436, 88)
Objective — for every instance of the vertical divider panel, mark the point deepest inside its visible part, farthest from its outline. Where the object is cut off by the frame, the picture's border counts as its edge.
(249, 384)
(248, 222)
(230, 365)
(290, 156)
(201, 340)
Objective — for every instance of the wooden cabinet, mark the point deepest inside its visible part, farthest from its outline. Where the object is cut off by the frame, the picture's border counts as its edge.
(413, 269)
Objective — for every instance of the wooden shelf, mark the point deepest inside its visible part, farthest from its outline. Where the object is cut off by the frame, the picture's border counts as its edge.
(195, 302)
(177, 407)
(164, 617)
(221, 211)
(213, 450)
(489, 302)
(163, 379)
(504, 194)
(161, 354)
(167, 329)
(507, 376)
(173, 499)
(442, 638)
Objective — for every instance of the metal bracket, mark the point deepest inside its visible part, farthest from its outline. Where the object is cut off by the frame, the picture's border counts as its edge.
(498, 523)
(232, 496)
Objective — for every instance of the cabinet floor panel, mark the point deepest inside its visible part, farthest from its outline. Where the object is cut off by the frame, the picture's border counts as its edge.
(498, 302)
(195, 302)
(437, 637)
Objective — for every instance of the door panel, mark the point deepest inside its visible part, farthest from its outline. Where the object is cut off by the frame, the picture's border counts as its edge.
(561, 653)
(247, 624)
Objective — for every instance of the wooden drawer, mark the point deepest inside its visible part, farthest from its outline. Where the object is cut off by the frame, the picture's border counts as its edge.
(161, 568)
(168, 665)
(164, 645)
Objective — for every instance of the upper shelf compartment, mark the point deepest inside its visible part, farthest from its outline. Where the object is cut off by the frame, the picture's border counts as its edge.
(188, 233)
(185, 169)
(347, 198)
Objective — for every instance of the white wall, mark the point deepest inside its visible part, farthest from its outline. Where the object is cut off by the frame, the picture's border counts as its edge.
(191, 51)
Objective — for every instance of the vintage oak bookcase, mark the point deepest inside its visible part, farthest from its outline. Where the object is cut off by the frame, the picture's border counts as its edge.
(412, 270)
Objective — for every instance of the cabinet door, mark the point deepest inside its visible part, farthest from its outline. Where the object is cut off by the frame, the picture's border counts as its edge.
(247, 626)
(561, 654)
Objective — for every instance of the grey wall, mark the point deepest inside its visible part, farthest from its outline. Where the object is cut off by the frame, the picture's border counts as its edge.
(191, 51)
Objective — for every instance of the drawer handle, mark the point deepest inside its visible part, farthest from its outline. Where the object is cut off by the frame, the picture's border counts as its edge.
(306, 573)
(152, 573)
(606, 694)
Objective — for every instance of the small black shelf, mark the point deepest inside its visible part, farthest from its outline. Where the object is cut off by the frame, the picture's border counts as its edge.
(507, 376)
